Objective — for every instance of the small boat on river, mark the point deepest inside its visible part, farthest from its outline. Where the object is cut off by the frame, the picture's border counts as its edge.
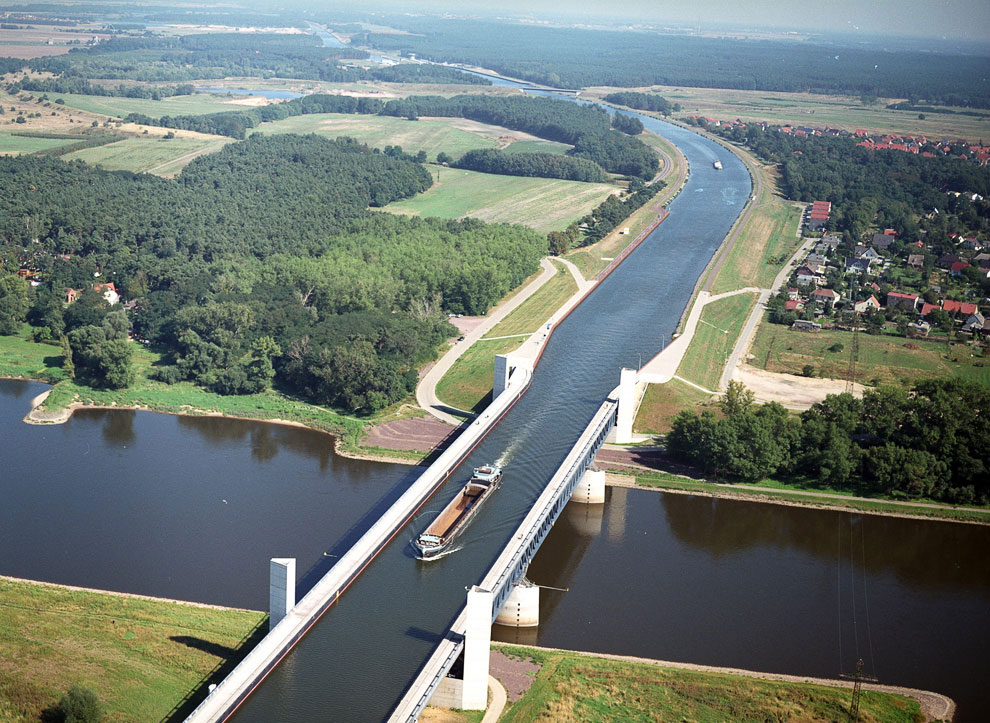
(455, 516)
(718, 165)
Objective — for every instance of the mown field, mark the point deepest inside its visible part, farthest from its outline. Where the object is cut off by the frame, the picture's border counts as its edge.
(540, 203)
(820, 111)
(453, 136)
(149, 154)
(13, 145)
(662, 402)
(572, 687)
(770, 231)
(120, 107)
(140, 657)
(882, 359)
(719, 327)
(468, 383)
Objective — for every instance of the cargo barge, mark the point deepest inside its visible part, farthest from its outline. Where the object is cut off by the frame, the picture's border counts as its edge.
(455, 516)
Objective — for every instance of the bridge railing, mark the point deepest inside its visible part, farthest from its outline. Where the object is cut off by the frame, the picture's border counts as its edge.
(511, 565)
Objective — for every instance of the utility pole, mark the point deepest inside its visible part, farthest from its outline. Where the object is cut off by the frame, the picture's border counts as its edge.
(858, 679)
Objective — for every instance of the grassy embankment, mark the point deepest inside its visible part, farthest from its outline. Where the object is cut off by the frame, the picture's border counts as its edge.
(572, 687)
(810, 494)
(141, 657)
(770, 233)
(468, 383)
(20, 357)
(594, 258)
(812, 109)
(882, 359)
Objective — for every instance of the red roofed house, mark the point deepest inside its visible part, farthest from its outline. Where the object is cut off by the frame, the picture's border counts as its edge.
(964, 308)
(109, 292)
(957, 268)
(926, 308)
(861, 307)
(896, 300)
(826, 296)
(792, 305)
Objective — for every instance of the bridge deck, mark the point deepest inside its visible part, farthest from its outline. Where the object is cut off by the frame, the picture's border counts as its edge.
(511, 565)
(237, 686)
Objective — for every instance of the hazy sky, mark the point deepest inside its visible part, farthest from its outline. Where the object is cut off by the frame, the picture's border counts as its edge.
(969, 19)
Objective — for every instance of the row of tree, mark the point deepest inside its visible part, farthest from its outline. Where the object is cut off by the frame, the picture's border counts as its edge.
(930, 443)
(643, 101)
(613, 210)
(542, 165)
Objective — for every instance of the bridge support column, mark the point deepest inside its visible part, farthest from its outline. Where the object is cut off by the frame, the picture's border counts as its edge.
(477, 644)
(522, 609)
(627, 407)
(503, 369)
(281, 589)
(591, 489)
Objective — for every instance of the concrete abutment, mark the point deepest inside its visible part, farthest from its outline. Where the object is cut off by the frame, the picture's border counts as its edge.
(281, 589)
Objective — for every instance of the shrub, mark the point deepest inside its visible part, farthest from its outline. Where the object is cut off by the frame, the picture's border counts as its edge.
(80, 705)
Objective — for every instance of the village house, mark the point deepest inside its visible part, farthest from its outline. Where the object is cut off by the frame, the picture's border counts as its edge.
(866, 252)
(792, 294)
(959, 309)
(896, 300)
(793, 305)
(975, 323)
(802, 325)
(807, 277)
(882, 241)
(919, 328)
(916, 261)
(828, 297)
(957, 268)
(867, 304)
(108, 291)
(858, 266)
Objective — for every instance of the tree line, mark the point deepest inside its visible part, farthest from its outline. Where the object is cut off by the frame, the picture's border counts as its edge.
(577, 58)
(929, 443)
(260, 264)
(643, 101)
(613, 210)
(870, 188)
(542, 165)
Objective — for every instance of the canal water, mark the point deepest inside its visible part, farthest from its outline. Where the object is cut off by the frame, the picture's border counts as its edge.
(193, 508)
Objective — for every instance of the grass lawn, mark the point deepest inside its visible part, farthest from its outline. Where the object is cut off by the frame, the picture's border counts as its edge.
(540, 203)
(882, 359)
(709, 349)
(538, 146)
(571, 687)
(119, 107)
(149, 154)
(140, 657)
(662, 402)
(22, 357)
(468, 383)
(771, 231)
(11, 145)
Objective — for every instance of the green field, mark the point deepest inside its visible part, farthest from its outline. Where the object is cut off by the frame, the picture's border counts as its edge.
(662, 402)
(710, 348)
(882, 359)
(540, 203)
(573, 687)
(119, 107)
(141, 657)
(149, 154)
(21, 357)
(771, 231)
(468, 383)
(453, 136)
(11, 145)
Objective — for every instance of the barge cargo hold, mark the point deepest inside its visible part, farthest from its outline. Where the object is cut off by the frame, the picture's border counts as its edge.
(455, 516)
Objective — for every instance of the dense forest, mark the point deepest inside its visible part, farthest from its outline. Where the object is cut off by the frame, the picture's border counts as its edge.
(576, 58)
(542, 165)
(643, 101)
(257, 265)
(586, 127)
(177, 59)
(930, 443)
(870, 188)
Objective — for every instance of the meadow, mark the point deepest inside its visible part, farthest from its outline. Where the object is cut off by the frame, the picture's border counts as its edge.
(120, 107)
(150, 154)
(716, 334)
(13, 145)
(541, 203)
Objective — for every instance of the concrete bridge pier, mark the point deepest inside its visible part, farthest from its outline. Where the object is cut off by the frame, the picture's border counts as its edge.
(522, 609)
(627, 407)
(281, 589)
(591, 489)
(477, 644)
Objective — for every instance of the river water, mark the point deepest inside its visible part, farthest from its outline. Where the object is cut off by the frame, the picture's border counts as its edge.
(193, 508)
